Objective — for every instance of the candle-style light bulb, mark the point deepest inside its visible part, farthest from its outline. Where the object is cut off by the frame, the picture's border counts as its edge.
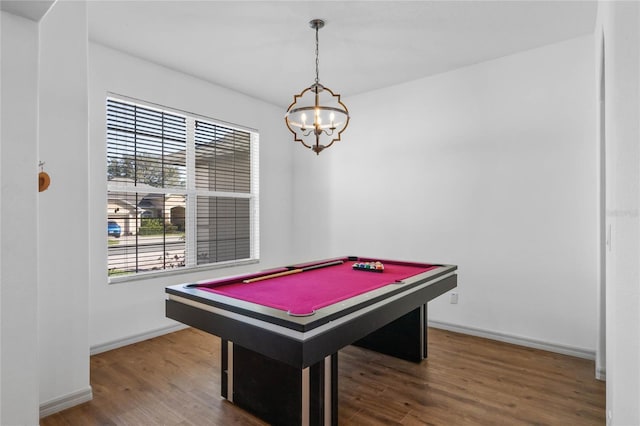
(303, 117)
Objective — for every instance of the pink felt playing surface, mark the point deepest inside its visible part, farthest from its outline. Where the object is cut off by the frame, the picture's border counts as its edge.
(305, 292)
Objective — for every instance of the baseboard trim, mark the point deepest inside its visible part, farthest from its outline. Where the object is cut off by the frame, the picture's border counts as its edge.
(66, 401)
(516, 340)
(70, 400)
(115, 344)
(601, 374)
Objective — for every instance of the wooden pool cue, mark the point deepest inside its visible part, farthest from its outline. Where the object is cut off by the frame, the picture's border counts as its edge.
(293, 271)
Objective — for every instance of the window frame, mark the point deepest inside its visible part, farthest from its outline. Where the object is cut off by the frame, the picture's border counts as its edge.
(191, 193)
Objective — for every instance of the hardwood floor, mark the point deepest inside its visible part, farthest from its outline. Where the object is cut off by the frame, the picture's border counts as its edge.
(175, 380)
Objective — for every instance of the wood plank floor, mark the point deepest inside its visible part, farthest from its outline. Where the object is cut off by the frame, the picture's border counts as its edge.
(175, 380)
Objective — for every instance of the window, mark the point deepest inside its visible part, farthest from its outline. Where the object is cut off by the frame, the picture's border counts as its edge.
(182, 190)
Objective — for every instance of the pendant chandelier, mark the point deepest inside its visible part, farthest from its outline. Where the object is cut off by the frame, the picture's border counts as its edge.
(317, 117)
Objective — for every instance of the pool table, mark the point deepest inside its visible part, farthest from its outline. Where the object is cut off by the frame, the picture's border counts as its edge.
(281, 329)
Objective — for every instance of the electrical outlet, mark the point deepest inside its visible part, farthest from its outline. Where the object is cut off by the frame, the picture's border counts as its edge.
(453, 298)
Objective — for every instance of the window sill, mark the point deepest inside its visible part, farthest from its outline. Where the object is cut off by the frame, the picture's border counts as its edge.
(179, 271)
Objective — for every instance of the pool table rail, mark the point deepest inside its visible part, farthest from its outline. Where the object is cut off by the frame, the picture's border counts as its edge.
(303, 323)
(301, 347)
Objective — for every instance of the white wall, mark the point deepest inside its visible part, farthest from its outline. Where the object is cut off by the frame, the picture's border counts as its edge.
(312, 200)
(18, 222)
(491, 167)
(63, 244)
(619, 22)
(601, 341)
(126, 310)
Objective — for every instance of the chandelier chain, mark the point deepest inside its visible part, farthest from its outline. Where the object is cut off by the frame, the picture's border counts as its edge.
(317, 61)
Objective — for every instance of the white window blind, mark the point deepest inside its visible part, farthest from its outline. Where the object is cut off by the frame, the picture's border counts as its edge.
(182, 190)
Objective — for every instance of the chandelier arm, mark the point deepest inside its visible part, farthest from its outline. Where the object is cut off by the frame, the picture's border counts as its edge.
(316, 124)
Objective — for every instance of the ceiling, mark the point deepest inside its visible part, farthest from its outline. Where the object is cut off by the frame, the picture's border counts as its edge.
(266, 48)
(32, 9)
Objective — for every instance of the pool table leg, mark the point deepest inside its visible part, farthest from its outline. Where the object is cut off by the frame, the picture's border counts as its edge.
(404, 338)
(279, 393)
